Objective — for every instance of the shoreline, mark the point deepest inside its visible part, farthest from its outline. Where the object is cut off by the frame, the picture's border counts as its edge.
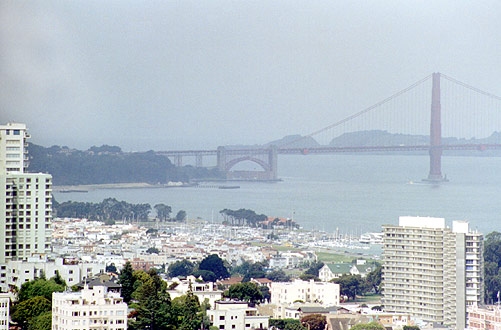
(128, 185)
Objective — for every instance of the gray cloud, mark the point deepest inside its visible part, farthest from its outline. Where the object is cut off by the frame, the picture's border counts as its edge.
(184, 74)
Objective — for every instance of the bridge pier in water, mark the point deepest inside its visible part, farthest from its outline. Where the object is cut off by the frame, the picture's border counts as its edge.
(226, 159)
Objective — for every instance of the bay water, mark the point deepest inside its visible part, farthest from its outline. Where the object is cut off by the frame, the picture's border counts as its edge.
(350, 193)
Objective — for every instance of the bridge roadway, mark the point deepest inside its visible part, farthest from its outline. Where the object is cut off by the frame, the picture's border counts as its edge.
(266, 158)
(327, 150)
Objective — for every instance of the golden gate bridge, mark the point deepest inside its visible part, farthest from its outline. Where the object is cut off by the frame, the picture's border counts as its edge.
(456, 116)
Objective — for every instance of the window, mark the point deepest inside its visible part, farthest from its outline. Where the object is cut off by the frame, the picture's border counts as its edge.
(221, 318)
(17, 132)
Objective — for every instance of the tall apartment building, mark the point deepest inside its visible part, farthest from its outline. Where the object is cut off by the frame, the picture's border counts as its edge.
(26, 201)
(431, 271)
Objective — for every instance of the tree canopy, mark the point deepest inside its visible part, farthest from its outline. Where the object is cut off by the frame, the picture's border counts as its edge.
(368, 326)
(29, 309)
(181, 268)
(492, 266)
(278, 276)
(126, 280)
(242, 217)
(314, 322)
(216, 265)
(245, 292)
(163, 211)
(34, 302)
(109, 164)
(373, 279)
(108, 209)
(351, 285)
(181, 215)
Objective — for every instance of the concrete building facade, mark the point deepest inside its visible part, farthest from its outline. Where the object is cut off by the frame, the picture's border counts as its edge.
(324, 293)
(425, 271)
(236, 315)
(25, 202)
(94, 308)
(484, 317)
(5, 299)
(13, 148)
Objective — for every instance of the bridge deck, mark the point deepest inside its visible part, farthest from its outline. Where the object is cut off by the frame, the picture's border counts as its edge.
(328, 150)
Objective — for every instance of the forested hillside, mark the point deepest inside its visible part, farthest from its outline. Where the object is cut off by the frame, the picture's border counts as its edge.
(108, 164)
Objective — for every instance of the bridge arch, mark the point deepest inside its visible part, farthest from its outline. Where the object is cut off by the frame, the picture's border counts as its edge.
(266, 167)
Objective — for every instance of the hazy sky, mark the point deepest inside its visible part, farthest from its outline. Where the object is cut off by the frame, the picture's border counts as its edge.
(186, 74)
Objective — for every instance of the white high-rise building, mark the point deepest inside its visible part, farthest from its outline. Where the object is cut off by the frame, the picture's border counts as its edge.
(25, 202)
(94, 308)
(13, 148)
(431, 271)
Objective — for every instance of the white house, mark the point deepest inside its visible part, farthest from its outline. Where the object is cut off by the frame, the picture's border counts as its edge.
(332, 271)
(88, 309)
(324, 293)
(236, 315)
(202, 290)
(73, 271)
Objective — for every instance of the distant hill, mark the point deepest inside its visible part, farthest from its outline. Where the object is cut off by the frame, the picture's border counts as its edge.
(384, 138)
(295, 141)
(109, 164)
(377, 137)
(289, 141)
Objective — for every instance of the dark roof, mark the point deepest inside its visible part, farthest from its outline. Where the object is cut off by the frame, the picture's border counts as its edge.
(98, 281)
(314, 309)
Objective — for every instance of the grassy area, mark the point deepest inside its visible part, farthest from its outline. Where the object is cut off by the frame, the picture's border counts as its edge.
(371, 298)
(328, 257)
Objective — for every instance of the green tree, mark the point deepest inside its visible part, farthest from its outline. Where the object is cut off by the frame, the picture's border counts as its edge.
(38, 287)
(58, 279)
(492, 266)
(307, 277)
(265, 292)
(126, 280)
(153, 250)
(286, 324)
(368, 326)
(314, 322)
(181, 216)
(41, 322)
(351, 285)
(180, 268)
(249, 271)
(111, 268)
(245, 292)
(278, 276)
(188, 312)
(207, 275)
(216, 265)
(314, 268)
(163, 211)
(153, 310)
(411, 327)
(28, 309)
(373, 279)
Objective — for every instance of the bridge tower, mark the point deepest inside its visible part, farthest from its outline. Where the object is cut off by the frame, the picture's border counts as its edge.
(221, 159)
(435, 174)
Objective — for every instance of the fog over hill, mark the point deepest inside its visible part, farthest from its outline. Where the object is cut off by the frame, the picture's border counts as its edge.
(370, 138)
